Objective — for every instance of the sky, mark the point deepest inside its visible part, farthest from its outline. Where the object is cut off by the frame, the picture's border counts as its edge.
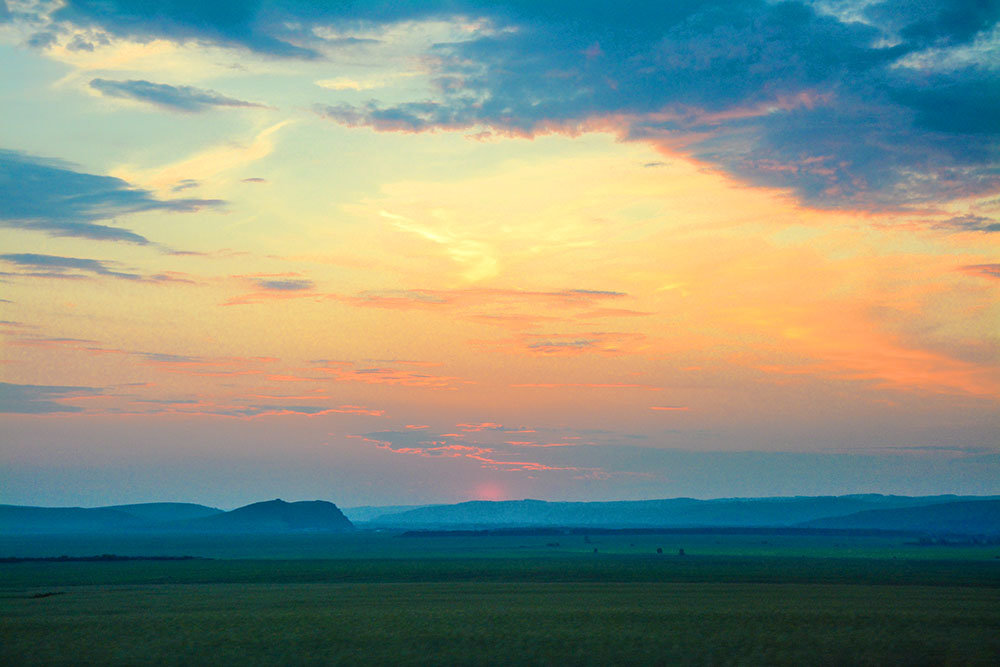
(417, 252)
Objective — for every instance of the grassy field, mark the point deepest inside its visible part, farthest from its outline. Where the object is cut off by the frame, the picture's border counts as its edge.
(503, 623)
(370, 544)
(382, 600)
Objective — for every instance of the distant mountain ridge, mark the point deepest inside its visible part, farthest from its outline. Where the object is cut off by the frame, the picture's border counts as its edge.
(166, 511)
(930, 514)
(675, 512)
(365, 513)
(963, 517)
(273, 516)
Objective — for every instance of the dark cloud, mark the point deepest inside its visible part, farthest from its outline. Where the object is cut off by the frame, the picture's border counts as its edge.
(934, 23)
(232, 22)
(173, 98)
(185, 184)
(260, 410)
(88, 43)
(774, 93)
(34, 265)
(407, 117)
(969, 223)
(53, 266)
(287, 285)
(401, 295)
(985, 270)
(594, 293)
(792, 95)
(352, 41)
(278, 28)
(577, 343)
(41, 40)
(51, 197)
(163, 358)
(40, 399)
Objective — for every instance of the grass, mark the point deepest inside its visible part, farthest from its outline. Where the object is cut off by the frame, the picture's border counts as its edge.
(583, 568)
(503, 623)
(374, 599)
(367, 544)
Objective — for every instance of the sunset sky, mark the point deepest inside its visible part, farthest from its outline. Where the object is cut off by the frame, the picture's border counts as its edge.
(410, 252)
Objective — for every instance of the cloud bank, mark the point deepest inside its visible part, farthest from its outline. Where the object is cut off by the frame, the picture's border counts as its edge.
(864, 105)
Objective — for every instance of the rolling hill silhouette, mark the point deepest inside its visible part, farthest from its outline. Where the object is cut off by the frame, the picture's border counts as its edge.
(273, 516)
(675, 512)
(972, 515)
(166, 511)
(964, 517)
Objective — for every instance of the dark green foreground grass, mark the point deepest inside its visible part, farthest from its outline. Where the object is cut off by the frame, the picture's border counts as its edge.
(377, 599)
(503, 623)
(583, 609)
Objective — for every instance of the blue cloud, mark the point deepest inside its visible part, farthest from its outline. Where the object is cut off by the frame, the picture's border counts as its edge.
(53, 266)
(40, 399)
(576, 343)
(774, 93)
(52, 197)
(985, 270)
(969, 223)
(792, 94)
(245, 23)
(289, 285)
(256, 410)
(935, 23)
(164, 358)
(173, 98)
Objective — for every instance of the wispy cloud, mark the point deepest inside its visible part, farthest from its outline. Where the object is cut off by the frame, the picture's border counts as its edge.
(207, 164)
(274, 288)
(984, 270)
(586, 385)
(33, 265)
(41, 399)
(64, 267)
(393, 376)
(290, 410)
(503, 456)
(427, 298)
(968, 223)
(599, 342)
(286, 285)
(52, 197)
(173, 98)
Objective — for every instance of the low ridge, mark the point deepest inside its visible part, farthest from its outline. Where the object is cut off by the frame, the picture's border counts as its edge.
(672, 512)
(276, 516)
(970, 516)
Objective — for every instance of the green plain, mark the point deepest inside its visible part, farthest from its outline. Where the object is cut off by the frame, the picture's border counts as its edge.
(380, 599)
